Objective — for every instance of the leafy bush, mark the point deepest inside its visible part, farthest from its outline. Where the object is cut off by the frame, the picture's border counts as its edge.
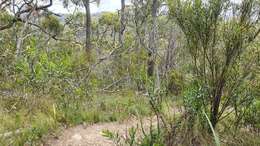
(176, 82)
(252, 116)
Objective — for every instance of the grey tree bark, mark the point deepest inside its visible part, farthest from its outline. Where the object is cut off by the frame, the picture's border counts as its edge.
(152, 41)
(122, 23)
(88, 26)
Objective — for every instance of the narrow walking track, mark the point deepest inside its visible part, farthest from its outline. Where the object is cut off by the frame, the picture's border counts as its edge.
(92, 135)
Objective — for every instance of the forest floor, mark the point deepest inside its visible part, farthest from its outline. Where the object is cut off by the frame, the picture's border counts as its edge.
(91, 135)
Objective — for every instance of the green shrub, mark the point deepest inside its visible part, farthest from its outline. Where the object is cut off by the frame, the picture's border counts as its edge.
(252, 115)
(176, 82)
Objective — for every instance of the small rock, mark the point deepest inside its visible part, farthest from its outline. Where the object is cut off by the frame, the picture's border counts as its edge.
(77, 137)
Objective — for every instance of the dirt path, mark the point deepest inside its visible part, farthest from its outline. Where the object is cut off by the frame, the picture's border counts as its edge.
(91, 135)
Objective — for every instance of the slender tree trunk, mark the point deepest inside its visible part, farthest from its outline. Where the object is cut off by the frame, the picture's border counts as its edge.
(214, 116)
(88, 26)
(152, 41)
(122, 23)
(114, 36)
(214, 111)
(20, 39)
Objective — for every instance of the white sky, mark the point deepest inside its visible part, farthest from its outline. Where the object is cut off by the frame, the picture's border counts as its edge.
(105, 5)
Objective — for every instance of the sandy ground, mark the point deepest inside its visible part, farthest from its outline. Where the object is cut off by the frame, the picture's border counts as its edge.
(91, 135)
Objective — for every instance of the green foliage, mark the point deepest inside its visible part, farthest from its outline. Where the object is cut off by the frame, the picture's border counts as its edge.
(138, 69)
(151, 139)
(154, 138)
(175, 82)
(28, 129)
(109, 19)
(251, 115)
(5, 18)
(52, 25)
(94, 24)
(194, 98)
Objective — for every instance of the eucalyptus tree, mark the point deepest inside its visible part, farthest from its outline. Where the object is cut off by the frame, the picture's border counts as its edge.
(86, 5)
